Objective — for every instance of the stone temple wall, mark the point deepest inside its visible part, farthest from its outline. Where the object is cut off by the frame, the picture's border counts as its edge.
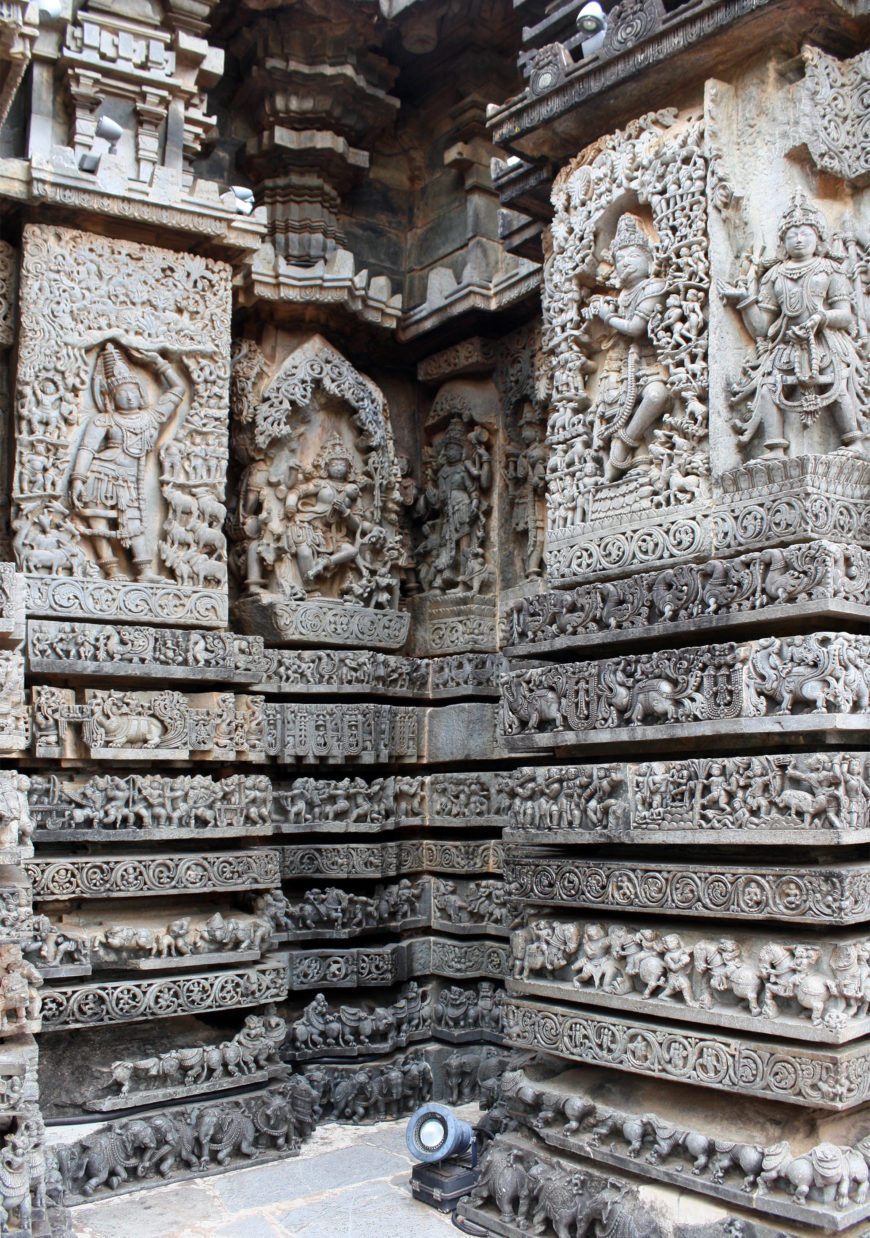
(434, 599)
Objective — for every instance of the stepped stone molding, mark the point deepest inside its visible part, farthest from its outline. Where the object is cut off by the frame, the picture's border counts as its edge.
(132, 1000)
(700, 1156)
(813, 579)
(364, 672)
(793, 799)
(390, 859)
(116, 876)
(81, 649)
(111, 807)
(831, 893)
(834, 1078)
(799, 684)
(759, 983)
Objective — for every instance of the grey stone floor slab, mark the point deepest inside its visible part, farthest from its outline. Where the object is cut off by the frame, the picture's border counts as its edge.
(348, 1182)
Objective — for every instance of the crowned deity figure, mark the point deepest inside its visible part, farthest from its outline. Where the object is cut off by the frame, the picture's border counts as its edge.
(324, 523)
(643, 392)
(455, 507)
(802, 316)
(107, 483)
(527, 480)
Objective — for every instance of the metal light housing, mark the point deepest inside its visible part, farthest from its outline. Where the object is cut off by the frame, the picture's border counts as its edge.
(433, 1134)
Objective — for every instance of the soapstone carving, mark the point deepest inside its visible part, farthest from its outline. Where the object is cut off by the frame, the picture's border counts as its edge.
(804, 313)
(454, 507)
(317, 512)
(131, 429)
(628, 461)
(350, 1030)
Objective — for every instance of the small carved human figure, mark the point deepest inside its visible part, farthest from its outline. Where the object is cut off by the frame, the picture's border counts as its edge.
(324, 528)
(107, 483)
(455, 507)
(644, 396)
(803, 319)
(527, 481)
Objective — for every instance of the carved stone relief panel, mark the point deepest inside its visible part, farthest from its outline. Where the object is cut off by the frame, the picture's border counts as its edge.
(820, 1078)
(816, 682)
(760, 983)
(81, 649)
(790, 316)
(626, 284)
(390, 859)
(122, 446)
(315, 521)
(455, 502)
(124, 876)
(794, 800)
(828, 894)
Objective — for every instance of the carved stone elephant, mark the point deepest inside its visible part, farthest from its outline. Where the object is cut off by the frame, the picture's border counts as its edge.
(502, 1179)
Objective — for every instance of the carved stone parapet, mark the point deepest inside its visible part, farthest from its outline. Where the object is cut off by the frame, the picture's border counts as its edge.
(81, 649)
(827, 894)
(455, 624)
(834, 1078)
(117, 876)
(589, 1113)
(132, 1000)
(389, 859)
(322, 622)
(141, 726)
(818, 684)
(762, 983)
(774, 502)
(819, 580)
(109, 807)
(794, 799)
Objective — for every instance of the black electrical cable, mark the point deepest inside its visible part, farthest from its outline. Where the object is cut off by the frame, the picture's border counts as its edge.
(475, 1230)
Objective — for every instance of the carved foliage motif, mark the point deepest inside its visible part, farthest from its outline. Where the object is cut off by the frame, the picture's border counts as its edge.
(122, 402)
(835, 116)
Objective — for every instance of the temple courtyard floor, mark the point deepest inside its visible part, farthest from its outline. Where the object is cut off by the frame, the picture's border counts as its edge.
(347, 1182)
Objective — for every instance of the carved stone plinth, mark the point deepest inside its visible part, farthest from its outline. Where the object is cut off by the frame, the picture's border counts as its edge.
(386, 965)
(320, 621)
(774, 502)
(389, 859)
(367, 734)
(68, 597)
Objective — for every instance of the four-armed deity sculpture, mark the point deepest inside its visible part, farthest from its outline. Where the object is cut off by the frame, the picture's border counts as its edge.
(803, 318)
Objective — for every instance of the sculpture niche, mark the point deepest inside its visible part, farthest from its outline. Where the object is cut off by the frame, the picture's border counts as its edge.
(806, 314)
(315, 523)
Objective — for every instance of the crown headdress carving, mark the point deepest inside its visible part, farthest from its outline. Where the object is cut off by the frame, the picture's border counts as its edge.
(801, 211)
(112, 372)
(629, 234)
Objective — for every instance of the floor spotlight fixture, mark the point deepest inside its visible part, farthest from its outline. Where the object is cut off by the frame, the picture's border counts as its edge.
(446, 1149)
(108, 131)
